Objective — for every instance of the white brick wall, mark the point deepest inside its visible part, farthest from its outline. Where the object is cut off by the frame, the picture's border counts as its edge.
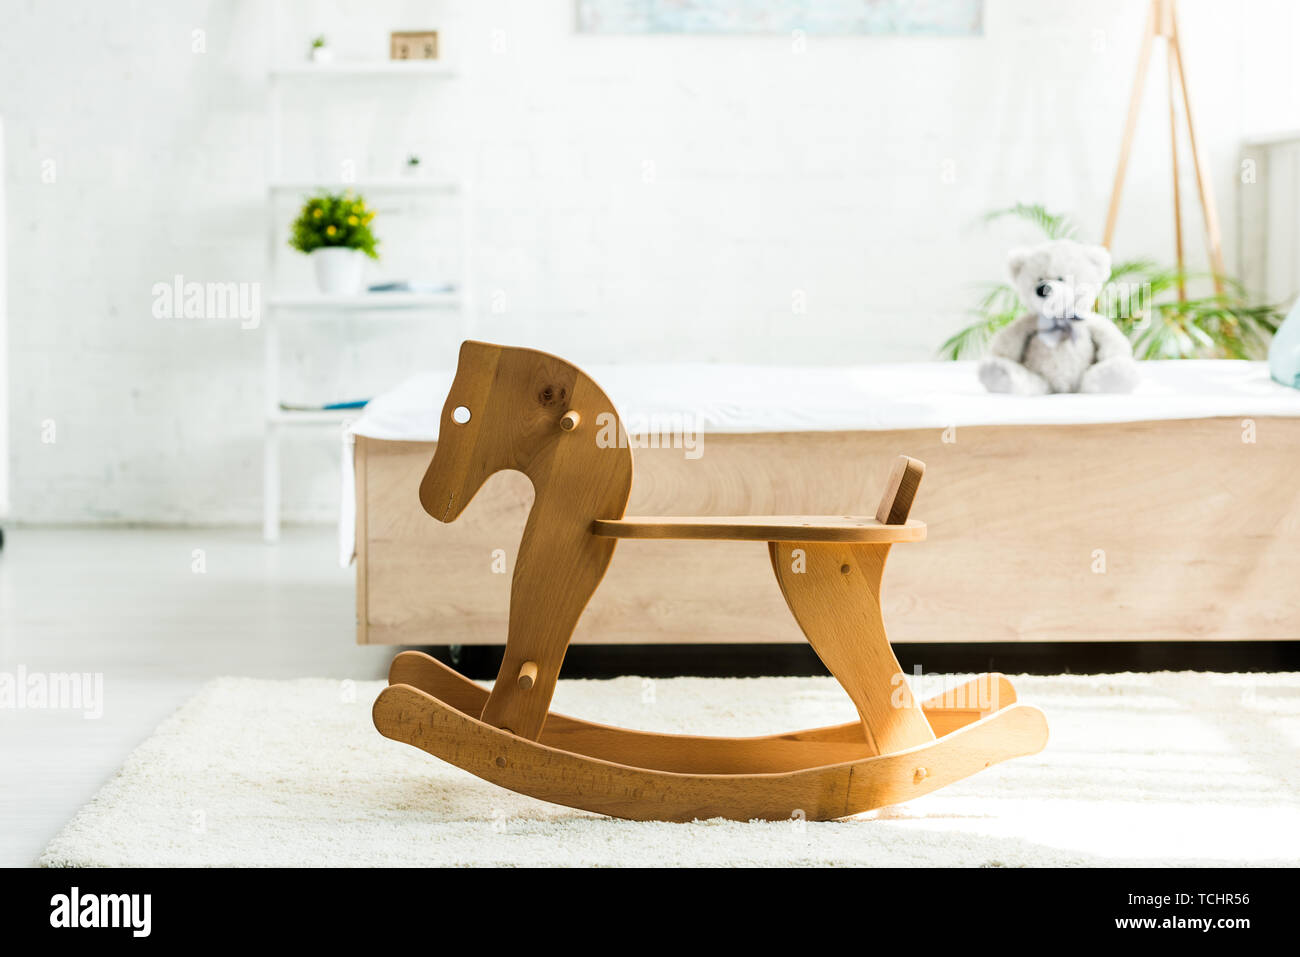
(657, 197)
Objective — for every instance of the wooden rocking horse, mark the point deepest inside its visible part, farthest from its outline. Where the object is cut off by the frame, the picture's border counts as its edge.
(520, 409)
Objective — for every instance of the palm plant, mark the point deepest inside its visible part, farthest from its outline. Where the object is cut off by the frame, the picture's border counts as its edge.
(1141, 296)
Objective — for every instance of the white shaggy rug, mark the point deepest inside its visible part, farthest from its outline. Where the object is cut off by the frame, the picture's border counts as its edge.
(1164, 769)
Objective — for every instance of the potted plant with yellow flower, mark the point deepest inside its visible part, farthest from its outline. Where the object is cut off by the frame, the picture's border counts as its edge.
(334, 230)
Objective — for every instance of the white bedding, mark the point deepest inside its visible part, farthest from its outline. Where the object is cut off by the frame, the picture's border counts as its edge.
(903, 395)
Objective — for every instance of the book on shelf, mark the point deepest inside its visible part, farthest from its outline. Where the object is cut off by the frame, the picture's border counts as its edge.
(326, 407)
(418, 286)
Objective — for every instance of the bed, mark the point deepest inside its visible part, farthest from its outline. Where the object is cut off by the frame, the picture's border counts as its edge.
(1169, 514)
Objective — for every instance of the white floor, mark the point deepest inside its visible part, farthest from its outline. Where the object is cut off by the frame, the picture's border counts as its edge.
(157, 612)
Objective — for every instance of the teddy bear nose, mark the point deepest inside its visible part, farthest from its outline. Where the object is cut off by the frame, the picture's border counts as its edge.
(1043, 290)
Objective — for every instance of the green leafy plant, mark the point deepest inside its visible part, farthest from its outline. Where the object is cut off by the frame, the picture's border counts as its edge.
(1142, 298)
(334, 219)
(318, 42)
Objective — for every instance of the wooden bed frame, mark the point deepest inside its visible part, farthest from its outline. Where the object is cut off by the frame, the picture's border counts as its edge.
(1165, 530)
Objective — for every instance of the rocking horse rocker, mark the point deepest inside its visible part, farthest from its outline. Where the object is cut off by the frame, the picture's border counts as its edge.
(521, 409)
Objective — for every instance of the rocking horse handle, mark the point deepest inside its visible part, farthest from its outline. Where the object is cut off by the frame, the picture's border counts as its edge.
(900, 490)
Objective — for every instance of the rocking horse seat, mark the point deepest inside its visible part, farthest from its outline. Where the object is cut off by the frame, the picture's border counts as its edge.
(761, 528)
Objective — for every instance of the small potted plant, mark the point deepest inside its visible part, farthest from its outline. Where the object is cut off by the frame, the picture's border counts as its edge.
(320, 51)
(334, 230)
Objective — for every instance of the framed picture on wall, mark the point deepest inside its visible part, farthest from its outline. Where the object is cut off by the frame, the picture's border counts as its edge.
(827, 17)
(413, 45)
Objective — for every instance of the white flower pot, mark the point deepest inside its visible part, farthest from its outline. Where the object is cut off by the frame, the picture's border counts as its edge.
(338, 270)
(322, 55)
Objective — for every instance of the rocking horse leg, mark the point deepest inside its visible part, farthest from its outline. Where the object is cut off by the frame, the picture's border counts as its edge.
(833, 590)
(560, 563)
(547, 598)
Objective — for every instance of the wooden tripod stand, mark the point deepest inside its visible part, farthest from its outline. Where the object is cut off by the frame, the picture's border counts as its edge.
(1162, 21)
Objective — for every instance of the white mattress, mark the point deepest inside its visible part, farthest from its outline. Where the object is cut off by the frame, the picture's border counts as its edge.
(903, 395)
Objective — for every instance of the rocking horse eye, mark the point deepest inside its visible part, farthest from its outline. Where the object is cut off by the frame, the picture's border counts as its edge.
(460, 415)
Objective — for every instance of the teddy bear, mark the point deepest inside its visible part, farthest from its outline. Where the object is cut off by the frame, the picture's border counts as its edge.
(1060, 344)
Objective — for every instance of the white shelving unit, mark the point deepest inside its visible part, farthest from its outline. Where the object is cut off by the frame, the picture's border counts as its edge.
(4, 347)
(396, 184)
(364, 68)
(367, 302)
(306, 306)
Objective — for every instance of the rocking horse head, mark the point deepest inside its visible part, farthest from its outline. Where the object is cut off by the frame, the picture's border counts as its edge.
(513, 408)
